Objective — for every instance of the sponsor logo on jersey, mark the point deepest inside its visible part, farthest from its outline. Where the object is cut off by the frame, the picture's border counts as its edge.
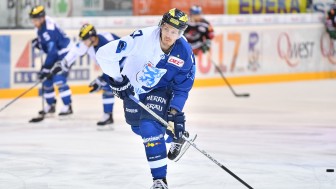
(152, 138)
(176, 61)
(149, 76)
(156, 99)
(152, 144)
(132, 110)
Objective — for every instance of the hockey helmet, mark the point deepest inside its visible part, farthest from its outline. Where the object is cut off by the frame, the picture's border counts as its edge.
(195, 10)
(37, 12)
(87, 31)
(175, 18)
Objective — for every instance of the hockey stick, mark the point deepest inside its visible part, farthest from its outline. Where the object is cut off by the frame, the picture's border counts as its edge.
(217, 163)
(169, 127)
(40, 117)
(25, 92)
(32, 87)
(227, 82)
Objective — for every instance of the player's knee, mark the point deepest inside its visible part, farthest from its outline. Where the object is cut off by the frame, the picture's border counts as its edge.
(62, 86)
(150, 127)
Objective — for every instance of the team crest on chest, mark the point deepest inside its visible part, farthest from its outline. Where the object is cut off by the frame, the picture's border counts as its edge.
(149, 76)
(176, 61)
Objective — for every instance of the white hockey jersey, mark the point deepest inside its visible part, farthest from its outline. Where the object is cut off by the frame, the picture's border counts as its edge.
(81, 49)
(147, 66)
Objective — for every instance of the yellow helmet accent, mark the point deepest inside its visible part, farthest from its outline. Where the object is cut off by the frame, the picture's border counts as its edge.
(175, 18)
(184, 18)
(172, 12)
(86, 30)
(37, 10)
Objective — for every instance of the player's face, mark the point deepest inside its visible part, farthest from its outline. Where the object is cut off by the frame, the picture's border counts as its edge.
(87, 42)
(169, 34)
(195, 17)
(37, 22)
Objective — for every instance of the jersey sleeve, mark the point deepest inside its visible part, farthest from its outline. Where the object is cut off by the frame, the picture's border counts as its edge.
(109, 55)
(76, 51)
(183, 83)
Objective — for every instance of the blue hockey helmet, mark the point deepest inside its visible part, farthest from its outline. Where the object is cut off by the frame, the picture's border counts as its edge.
(37, 12)
(175, 18)
(195, 10)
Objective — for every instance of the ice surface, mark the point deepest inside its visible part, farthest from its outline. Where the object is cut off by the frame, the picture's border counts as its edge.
(282, 137)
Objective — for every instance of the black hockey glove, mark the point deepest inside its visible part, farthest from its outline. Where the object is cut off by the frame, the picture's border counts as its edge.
(206, 46)
(97, 84)
(178, 119)
(121, 89)
(35, 44)
(44, 73)
(56, 68)
(48, 73)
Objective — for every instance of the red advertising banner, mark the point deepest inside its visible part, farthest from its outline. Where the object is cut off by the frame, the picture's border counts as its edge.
(159, 7)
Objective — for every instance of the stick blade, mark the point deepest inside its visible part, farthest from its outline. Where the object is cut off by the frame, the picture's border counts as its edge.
(243, 95)
(37, 119)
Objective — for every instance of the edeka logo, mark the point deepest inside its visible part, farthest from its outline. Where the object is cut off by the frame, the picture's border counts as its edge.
(328, 49)
(293, 52)
(266, 6)
(31, 59)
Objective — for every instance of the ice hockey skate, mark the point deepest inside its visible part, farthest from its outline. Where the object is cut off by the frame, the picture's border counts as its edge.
(66, 111)
(106, 119)
(160, 184)
(179, 147)
(106, 122)
(48, 109)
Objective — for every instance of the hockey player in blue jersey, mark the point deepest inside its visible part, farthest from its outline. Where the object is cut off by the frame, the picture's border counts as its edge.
(91, 41)
(159, 70)
(54, 42)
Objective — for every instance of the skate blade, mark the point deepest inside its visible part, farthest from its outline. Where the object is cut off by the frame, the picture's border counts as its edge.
(185, 148)
(108, 127)
(65, 117)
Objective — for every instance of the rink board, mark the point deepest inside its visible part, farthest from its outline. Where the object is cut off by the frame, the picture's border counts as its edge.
(246, 55)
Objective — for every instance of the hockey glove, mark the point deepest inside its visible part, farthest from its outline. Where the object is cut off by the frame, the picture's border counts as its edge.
(44, 73)
(206, 46)
(57, 68)
(97, 84)
(122, 89)
(35, 44)
(64, 65)
(178, 119)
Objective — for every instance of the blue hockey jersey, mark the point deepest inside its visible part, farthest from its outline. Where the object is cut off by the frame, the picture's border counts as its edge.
(53, 41)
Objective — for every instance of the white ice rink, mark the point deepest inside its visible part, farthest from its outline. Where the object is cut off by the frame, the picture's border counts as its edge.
(282, 137)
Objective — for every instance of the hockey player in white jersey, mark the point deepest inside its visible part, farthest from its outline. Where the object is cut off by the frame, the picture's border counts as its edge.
(91, 41)
(159, 69)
